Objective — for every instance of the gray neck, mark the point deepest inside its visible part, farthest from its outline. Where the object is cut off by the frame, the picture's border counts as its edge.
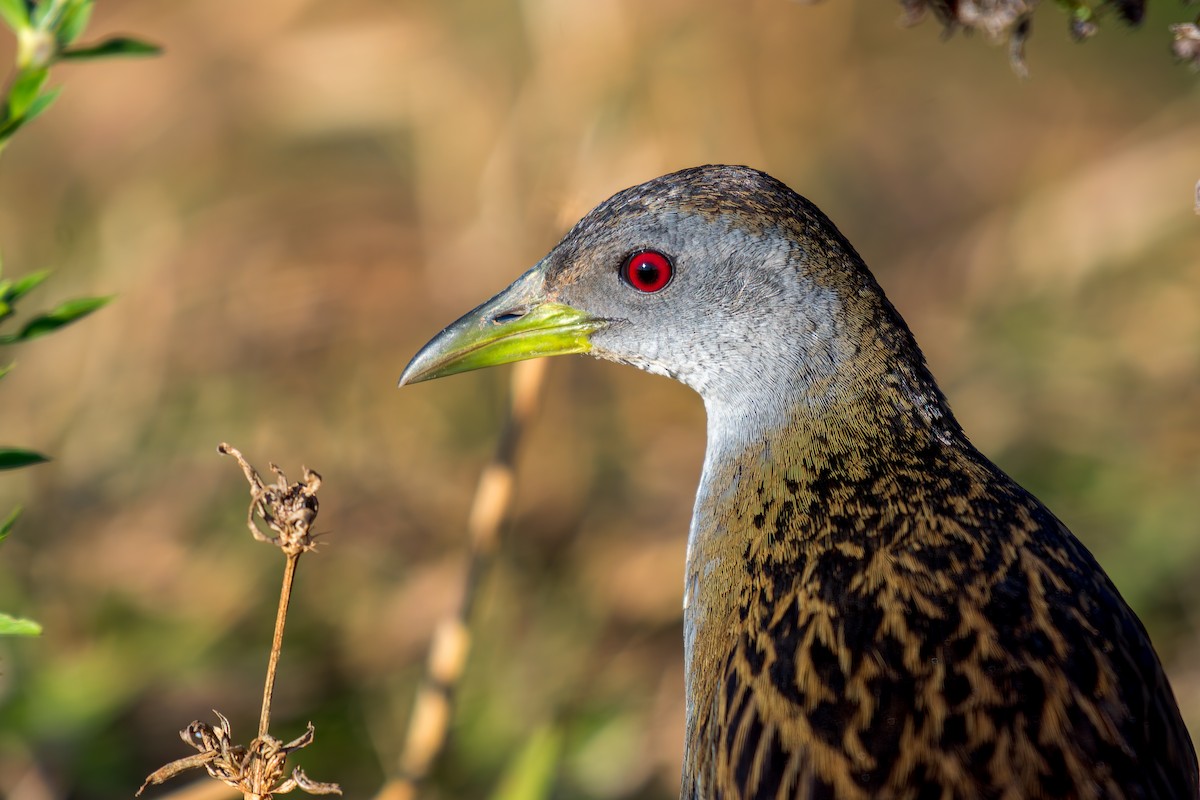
(760, 438)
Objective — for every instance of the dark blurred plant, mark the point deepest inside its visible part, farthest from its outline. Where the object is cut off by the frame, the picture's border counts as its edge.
(1012, 20)
(46, 33)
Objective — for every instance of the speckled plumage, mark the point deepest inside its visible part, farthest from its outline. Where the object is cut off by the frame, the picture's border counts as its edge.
(893, 617)
(872, 608)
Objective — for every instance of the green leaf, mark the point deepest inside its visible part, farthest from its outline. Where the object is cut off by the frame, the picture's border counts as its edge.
(531, 775)
(75, 20)
(35, 109)
(15, 458)
(5, 370)
(7, 525)
(40, 104)
(50, 321)
(15, 290)
(15, 626)
(14, 14)
(41, 17)
(119, 46)
(24, 91)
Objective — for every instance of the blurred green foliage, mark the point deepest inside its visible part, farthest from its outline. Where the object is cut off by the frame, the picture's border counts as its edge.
(45, 32)
(531, 774)
(303, 192)
(38, 325)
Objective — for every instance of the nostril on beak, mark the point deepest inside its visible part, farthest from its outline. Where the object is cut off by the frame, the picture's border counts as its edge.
(509, 316)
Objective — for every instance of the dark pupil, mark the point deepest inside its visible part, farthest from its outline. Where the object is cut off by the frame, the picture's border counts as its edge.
(647, 272)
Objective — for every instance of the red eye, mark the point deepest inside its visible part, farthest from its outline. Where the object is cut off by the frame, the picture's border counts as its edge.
(648, 271)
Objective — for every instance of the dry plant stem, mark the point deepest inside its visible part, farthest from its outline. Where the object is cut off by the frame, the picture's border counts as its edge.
(204, 789)
(257, 770)
(433, 707)
(285, 596)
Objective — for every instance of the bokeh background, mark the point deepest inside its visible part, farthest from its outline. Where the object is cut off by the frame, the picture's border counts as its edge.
(298, 194)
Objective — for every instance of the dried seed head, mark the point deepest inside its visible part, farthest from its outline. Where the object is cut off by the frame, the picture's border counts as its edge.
(288, 510)
(257, 769)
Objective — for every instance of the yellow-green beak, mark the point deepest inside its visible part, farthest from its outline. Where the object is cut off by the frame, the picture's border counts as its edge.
(517, 324)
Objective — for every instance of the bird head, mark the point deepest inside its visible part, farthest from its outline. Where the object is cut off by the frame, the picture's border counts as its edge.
(720, 277)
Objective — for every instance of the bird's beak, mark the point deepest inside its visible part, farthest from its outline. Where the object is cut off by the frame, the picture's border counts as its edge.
(519, 323)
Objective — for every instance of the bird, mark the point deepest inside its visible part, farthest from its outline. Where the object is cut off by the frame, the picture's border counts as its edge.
(872, 608)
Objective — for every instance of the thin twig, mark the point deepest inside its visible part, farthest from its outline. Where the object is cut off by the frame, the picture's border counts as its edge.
(433, 707)
(204, 789)
(285, 596)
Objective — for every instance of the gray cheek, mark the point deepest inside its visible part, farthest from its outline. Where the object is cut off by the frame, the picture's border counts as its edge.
(650, 349)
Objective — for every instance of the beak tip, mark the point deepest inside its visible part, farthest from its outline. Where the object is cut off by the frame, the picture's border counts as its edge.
(493, 333)
(409, 377)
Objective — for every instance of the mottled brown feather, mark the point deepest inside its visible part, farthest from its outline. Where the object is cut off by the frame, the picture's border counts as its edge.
(917, 625)
(891, 616)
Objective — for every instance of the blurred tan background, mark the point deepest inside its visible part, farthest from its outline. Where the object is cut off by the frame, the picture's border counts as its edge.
(298, 194)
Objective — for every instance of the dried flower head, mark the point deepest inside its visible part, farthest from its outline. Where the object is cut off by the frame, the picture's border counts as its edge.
(289, 511)
(257, 770)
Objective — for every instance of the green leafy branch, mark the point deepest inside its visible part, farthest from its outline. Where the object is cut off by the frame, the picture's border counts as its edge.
(47, 31)
(39, 324)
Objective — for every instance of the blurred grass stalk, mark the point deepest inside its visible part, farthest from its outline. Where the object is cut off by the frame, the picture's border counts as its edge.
(433, 708)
